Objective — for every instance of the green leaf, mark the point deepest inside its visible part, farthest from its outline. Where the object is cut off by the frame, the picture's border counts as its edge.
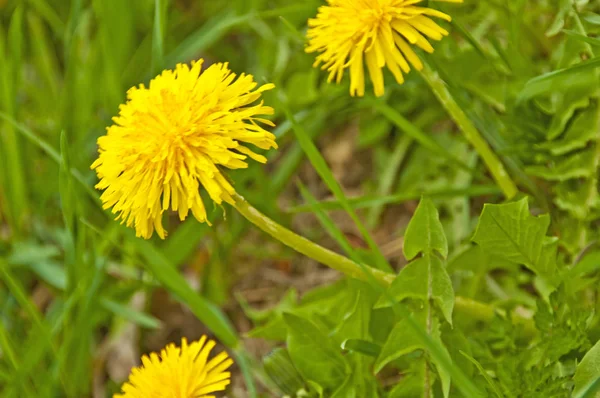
(313, 353)
(485, 375)
(346, 390)
(577, 196)
(580, 132)
(560, 19)
(362, 347)
(569, 102)
(588, 370)
(355, 324)
(574, 76)
(510, 232)
(412, 384)
(577, 165)
(280, 369)
(403, 340)
(425, 232)
(130, 314)
(413, 131)
(586, 39)
(425, 279)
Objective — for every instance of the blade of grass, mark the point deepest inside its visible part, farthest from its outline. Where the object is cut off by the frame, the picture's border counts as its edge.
(40, 326)
(590, 40)
(167, 274)
(328, 224)
(410, 129)
(590, 391)
(140, 318)
(371, 201)
(204, 37)
(10, 148)
(388, 177)
(10, 354)
(326, 174)
(489, 157)
(52, 153)
(158, 37)
(48, 13)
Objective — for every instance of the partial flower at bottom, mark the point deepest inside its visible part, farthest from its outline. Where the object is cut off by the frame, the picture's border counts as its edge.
(380, 33)
(174, 137)
(179, 372)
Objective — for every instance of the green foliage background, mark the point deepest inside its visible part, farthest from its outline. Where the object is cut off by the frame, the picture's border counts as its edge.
(495, 300)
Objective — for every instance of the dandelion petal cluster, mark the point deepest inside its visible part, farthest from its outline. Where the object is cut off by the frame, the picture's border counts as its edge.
(175, 136)
(380, 33)
(179, 372)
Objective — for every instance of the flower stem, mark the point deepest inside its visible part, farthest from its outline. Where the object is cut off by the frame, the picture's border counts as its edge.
(306, 247)
(475, 310)
(484, 150)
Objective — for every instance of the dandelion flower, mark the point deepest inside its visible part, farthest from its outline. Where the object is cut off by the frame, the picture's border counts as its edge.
(176, 135)
(378, 32)
(184, 372)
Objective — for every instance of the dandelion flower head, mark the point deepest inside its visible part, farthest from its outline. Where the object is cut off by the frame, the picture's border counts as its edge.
(379, 33)
(176, 135)
(179, 372)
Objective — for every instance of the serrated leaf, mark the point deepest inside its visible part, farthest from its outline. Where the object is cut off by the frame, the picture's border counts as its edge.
(577, 165)
(588, 370)
(577, 197)
(571, 101)
(583, 129)
(313, 353)
(510, 232)
(425, 233)
(424, 279)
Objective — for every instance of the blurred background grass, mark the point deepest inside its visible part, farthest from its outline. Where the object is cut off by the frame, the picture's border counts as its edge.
(81, 297)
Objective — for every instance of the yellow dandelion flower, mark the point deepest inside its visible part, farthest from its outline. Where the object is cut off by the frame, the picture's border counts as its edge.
(174, 136)
(184, 372)
(378, 32)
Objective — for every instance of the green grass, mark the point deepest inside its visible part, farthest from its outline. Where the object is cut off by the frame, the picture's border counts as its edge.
(520, 78)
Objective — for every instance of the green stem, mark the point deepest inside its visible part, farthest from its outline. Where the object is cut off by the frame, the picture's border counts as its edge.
(306, 247)
(475, 310)
(484, 150)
